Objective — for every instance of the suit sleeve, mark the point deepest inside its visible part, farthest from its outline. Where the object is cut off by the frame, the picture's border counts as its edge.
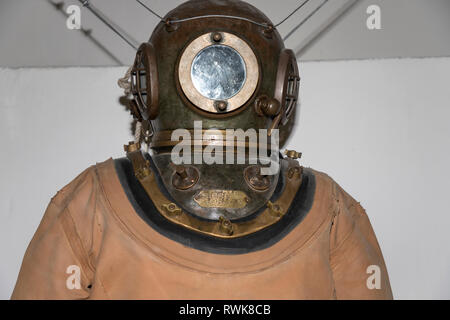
(57, 263)
(358, 267)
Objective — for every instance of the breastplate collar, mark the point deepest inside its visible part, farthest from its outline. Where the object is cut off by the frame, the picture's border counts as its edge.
(223, 227)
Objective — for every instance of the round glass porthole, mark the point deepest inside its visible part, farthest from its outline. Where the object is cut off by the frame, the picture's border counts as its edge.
(218, 72)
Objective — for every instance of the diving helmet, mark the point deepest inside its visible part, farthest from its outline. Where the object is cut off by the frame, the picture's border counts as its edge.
(212, 66)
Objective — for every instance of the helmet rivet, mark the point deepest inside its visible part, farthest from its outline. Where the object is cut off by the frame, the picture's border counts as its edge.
(225, 225)
(268, 31)
(221, 106)
(216, 37)
(171, 25)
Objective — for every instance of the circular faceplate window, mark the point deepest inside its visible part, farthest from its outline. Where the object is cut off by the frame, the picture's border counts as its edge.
(218, 72)
(218, 76)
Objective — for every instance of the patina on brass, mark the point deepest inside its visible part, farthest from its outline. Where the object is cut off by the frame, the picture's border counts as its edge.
(223, 228)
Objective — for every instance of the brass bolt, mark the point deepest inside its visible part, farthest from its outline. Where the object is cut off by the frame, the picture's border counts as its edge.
(143, 172)
(295, 171)
(293, 154)
(216, 37)
(171, 209)
(132, 146)
(221, 106)
(274, 209)
(225, 225)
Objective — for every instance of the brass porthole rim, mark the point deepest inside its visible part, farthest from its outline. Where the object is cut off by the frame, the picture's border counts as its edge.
(203, 104)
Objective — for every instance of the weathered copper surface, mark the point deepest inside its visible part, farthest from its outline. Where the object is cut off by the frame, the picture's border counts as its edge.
(223, 227)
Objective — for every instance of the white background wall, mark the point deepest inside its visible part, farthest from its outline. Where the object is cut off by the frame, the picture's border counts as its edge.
(380, 128)
(37, 35)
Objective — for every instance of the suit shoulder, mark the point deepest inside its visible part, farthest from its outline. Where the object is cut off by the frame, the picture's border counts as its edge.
(82, 190)
(327, 185)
